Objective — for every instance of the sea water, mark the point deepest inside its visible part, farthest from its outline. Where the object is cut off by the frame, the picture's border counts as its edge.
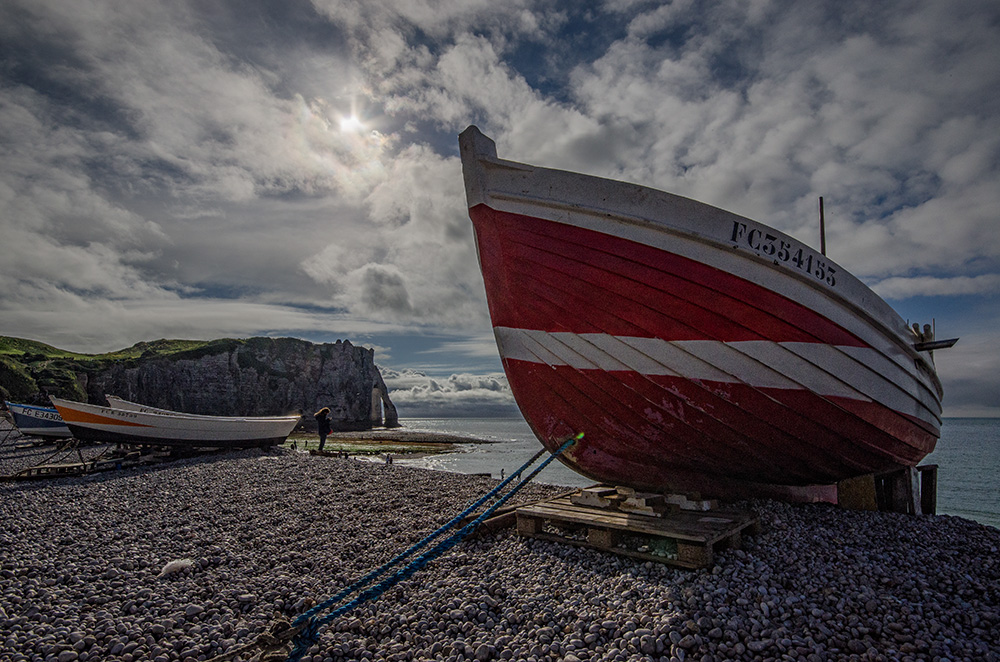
(512, 443)
(968, 459)
(967, 455)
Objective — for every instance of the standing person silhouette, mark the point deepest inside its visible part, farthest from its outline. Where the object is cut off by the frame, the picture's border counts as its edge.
(323, 424)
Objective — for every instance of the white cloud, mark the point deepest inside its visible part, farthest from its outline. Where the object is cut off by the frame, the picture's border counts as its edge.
(417, 395)
(971, 371)
(901, 287)
(866, 119)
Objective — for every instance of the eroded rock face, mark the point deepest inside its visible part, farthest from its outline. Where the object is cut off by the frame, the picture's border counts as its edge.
(257, 377)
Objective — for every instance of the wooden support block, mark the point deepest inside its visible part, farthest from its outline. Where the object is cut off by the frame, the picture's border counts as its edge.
(645, 503)
(528, 525)
(734, 541)
(928, 489)
(645, 499)
(627, 507)
(913, 497)
(902, 496)
(691, 502)
(700, 504)
(857, 493)
(606, 538)
(698, 556)
(596, 497)
(897, 492)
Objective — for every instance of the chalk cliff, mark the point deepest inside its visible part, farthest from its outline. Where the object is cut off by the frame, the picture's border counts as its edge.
(247, 377)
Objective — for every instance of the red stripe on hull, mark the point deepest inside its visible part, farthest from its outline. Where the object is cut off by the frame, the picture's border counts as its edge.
(627, 288)
(656, 431)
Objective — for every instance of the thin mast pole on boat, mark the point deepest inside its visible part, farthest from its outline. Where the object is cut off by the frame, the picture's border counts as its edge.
(822, 228)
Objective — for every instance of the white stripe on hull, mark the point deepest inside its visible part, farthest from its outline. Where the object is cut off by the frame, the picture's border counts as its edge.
(828, 371)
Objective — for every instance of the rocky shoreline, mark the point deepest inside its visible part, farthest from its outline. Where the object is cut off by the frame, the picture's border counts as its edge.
(84, 574)
(403, 435)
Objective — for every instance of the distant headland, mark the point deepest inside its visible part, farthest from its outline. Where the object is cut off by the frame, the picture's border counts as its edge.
(224, 377)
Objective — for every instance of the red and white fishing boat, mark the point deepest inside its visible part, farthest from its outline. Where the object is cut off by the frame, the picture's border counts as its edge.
(695, 349)
(96, 423)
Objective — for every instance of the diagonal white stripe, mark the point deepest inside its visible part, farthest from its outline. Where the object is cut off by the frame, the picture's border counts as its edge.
(832, 371)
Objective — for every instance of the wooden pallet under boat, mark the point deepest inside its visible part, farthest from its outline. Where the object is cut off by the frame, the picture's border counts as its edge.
(682, 538)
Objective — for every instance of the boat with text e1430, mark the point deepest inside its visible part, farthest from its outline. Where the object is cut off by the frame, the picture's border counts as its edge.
(35, 421)
(97, 423)
(695, 349)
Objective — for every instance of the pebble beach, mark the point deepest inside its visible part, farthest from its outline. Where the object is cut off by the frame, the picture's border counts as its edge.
(188, 559)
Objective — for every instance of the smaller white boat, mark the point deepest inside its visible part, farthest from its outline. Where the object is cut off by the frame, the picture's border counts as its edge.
(167, 428)
(118, 403)
(34, 421)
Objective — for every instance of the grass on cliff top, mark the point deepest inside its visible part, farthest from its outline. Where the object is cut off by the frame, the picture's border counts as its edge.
(19, 347)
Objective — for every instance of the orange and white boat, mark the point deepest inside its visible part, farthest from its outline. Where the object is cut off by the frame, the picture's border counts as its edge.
(695, 349)
(165, 428)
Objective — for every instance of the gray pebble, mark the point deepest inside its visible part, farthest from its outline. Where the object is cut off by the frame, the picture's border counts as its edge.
(817, 584)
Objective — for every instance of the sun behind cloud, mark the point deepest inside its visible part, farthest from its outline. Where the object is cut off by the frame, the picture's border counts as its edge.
(351, 123)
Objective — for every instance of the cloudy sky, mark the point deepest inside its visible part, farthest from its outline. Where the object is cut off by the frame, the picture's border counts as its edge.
(286, 167)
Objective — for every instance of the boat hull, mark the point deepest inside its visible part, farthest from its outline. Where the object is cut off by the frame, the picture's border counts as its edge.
(96, 423)
(38, 421)
(118, 403)
(689, 356)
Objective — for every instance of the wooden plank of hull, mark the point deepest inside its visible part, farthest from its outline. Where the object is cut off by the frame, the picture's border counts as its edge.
(620, 447)
(672, 366)
(60, 432)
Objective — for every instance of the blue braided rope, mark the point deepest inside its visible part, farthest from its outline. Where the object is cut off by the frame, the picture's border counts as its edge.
(378, 572)
(309, 634)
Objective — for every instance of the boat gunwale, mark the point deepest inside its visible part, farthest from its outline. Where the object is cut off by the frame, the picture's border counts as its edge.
(159, 411)
(35, 407)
